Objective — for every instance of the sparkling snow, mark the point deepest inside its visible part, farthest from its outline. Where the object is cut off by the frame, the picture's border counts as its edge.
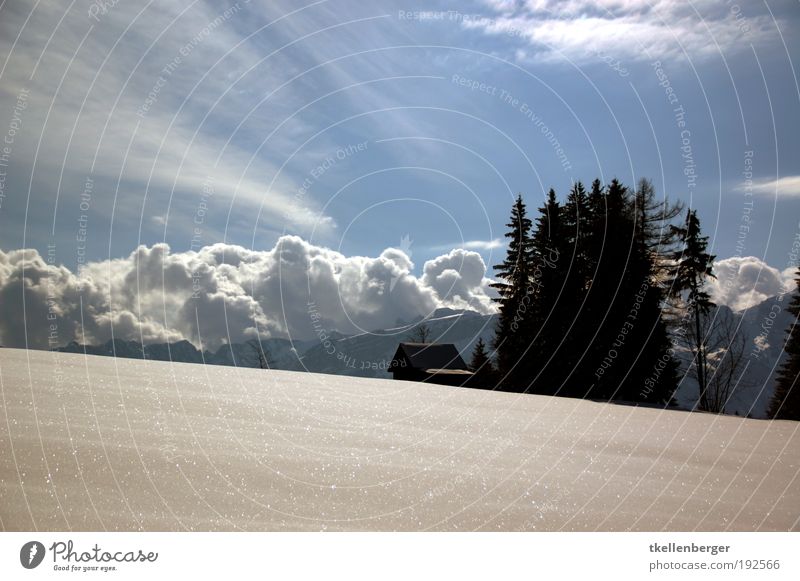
(93, 443)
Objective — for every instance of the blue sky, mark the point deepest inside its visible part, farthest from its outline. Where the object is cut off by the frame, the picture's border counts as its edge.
(364, 126)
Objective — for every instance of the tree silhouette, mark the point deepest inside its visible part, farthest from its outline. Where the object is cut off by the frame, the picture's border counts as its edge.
(514, 296)
(547, 316)
(582, 314)
(602, 362)
(481, 366)
(725, 357)
(785, 403)
(653, 218)
(420, 334)
(261, 353)
(693, 266)
(652, 371)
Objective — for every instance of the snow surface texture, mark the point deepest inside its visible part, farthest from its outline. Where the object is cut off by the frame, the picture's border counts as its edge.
(93, 443)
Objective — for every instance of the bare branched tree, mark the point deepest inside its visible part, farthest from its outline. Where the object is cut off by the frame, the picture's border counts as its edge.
(725, 344)
(420, 334)
(261, 353)
(655, 215)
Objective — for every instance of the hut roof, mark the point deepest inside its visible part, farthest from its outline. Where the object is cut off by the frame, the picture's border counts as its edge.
(436, 357)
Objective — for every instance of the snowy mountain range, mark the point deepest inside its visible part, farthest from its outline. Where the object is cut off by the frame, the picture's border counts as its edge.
(368, 354)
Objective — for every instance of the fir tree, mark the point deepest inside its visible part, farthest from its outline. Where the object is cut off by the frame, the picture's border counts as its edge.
(602, 370)
(590, 323)
(546, 319)
(577, 219)
(629, 355)
(577, 271)
(596, 199)
(693, 266)
(481, 366)
(785, 403)
(653, 374)
(514, 290)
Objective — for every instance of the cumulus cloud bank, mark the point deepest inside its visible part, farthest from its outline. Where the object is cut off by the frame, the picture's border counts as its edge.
(743, 282)
(226, 293)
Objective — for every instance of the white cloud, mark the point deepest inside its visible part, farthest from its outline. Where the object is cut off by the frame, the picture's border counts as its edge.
(155, 295)
(144, 102)
(459, 279)
(483, 244)
(492, 244)
(785, 187)
(630, 29)
(743, 282)
(253, 105)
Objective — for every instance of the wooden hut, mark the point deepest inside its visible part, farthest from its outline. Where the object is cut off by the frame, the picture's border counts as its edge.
(431, 362)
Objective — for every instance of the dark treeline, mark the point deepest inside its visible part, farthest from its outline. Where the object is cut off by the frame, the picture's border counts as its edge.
(785, 404)
(583, 293)
(596, 294)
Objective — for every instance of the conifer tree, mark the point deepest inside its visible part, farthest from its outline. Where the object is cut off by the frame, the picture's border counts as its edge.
(596, 304)
(577, 228)
(481, 366)
(653, 374)
(693, 266)
(514, 290)
(543, 363)
(596, 199)
(590, 323)
(627, 349)
(578, 270)
(597, 228)
(609, 297)
(785, 403)
(653, 218)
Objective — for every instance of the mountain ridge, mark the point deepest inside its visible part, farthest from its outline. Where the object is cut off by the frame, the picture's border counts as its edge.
(368, 354)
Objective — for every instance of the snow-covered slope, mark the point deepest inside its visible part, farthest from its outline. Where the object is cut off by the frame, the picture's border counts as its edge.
(90, 443)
